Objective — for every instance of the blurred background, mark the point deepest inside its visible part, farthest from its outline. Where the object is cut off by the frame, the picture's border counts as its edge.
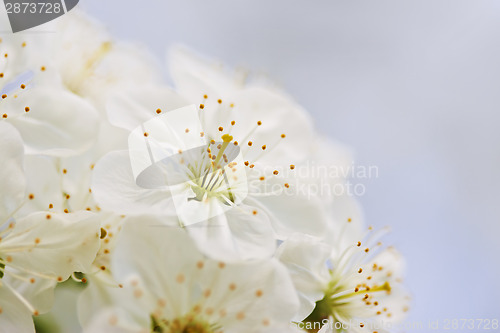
(411, 86)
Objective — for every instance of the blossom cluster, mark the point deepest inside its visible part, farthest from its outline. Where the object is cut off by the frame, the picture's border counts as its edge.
(174, 206)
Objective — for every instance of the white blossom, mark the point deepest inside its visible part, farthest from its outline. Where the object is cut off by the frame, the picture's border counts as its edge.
(169, 286)
(37, 250)
(50, 119)
(271, 133)
(355, 284)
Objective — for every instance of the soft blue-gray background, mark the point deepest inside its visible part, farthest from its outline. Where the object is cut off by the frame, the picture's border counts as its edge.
(412, 86)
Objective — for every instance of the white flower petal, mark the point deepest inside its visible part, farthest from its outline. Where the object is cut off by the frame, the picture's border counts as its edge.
(40, 294)
(131, 107)
(237, 234)
(53, 244)
(279, 115)
(115, 189)
(158, 253)
(172, 270)
(254, 295)
(92, 64)
(44, 185)
(14, 315)
(97, 296)
(124, 65)
(306, 257)
(296, 212)
(112, 320)
(11, 171)
(346, 222)
(58, 122)
(195, 76)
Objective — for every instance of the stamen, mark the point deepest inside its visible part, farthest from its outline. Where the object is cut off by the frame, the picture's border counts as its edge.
(251, 132)
(227, 139)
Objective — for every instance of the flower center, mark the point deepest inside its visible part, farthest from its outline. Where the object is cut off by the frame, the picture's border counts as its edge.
(74, 83)
(224, 167)
(186, 324)
(341, 300)
(208, 173)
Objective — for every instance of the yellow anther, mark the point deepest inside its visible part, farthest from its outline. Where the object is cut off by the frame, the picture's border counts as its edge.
(227, 138)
